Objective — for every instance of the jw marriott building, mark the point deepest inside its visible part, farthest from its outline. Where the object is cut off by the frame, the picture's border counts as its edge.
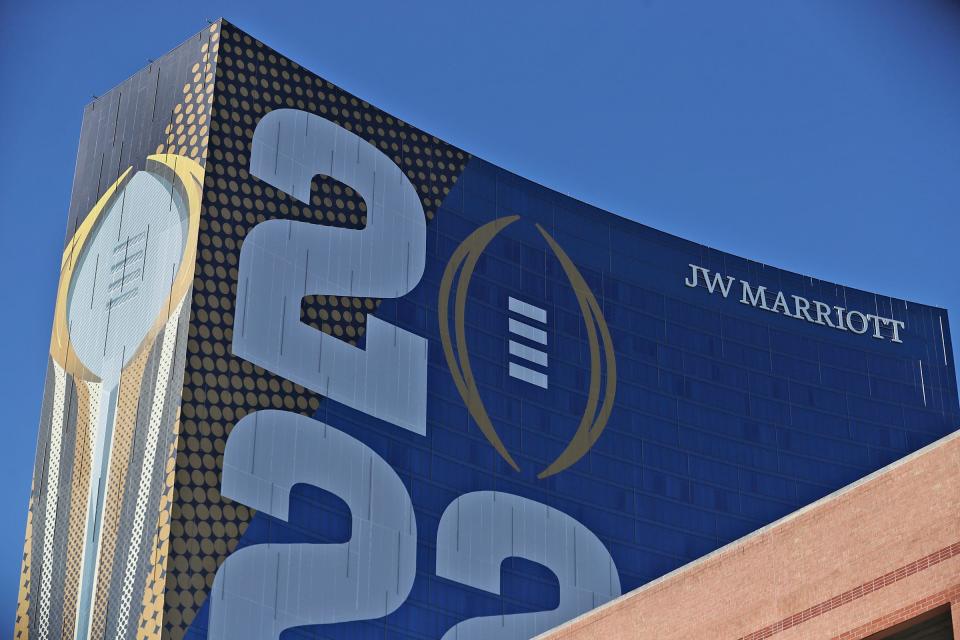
(317, 374)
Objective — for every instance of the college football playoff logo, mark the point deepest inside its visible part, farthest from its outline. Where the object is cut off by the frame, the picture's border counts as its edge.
(602, 389)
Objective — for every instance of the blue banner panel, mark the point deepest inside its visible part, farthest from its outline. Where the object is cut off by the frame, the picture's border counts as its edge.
(545, 406)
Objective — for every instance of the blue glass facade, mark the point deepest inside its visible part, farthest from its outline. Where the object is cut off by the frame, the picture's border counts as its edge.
(727, 417)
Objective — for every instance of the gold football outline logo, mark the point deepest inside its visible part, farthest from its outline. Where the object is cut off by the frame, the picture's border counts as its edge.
(457, 277)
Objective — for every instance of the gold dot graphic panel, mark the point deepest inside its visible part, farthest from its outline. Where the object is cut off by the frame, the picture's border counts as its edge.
(251, 80)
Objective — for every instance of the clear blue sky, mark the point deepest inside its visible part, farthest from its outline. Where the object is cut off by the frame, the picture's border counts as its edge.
(821, 136)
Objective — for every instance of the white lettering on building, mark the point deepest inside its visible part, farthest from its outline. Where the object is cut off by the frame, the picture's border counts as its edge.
(799, 307)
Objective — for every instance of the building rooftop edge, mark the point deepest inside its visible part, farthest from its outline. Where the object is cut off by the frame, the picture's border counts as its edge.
(753, 536)
(98, 97)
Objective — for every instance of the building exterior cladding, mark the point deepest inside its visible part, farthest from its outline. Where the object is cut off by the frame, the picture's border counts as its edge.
(877, 559)
(478, 408)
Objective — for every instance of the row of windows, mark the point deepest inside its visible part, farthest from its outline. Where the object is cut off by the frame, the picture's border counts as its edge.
(679, 376)
(704, 357)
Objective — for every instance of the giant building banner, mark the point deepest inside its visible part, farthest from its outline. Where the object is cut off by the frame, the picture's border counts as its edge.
(315, 373)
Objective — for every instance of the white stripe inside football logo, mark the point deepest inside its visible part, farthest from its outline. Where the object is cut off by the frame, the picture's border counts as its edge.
(520, 372)
(525, 309)
(528, 353)
(523, 351)
(526, 331)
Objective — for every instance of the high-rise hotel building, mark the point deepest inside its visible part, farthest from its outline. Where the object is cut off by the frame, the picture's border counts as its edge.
(315, 373)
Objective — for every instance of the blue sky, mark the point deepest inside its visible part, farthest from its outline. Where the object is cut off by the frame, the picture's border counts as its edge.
(815, 135)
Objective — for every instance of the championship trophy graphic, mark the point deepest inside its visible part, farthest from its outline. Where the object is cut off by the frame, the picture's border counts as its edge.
(125, 275)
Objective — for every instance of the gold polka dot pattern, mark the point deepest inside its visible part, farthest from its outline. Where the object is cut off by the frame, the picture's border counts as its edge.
(149, 626)
(21, 629)
(251, 80)
(189, 125)
(77, 518)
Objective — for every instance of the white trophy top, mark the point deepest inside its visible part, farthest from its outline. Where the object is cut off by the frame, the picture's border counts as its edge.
(125, 272)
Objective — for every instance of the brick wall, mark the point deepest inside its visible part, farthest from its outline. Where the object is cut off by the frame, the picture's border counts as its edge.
(862, 560)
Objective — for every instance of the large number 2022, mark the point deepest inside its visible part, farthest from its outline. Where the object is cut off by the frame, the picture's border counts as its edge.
(263, 589)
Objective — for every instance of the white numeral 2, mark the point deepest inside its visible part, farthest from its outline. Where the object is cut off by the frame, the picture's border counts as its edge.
(281, 261)
(263, 589)
(478, 531)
